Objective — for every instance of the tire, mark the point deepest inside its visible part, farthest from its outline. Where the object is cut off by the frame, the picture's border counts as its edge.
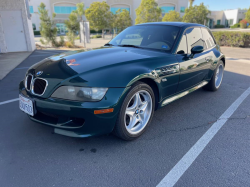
(136, 112)
(216, 80)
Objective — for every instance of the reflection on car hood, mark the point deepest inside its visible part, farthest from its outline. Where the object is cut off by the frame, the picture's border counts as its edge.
(71, 63)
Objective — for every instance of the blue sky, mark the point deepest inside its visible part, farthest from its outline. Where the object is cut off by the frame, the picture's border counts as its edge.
(224, 4)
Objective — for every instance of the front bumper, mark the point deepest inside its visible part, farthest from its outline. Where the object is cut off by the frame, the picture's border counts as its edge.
(77, 119)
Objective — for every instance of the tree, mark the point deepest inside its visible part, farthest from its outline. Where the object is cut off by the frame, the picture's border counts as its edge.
(122, 19)
(73, 27)
(148, 11)
(191, 2)
(196, 14)
(99, 16)
(172, 16)
(248, 14)
(48, 28)
(80, 13)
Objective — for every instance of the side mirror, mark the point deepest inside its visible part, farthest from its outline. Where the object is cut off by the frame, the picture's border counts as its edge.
(197, 49)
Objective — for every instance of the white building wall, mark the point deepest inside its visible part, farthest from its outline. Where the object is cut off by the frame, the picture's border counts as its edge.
(235, 15)
(232, 14)
(6, 5)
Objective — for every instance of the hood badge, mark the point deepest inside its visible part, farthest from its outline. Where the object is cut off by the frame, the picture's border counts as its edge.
(39, 73)
(71, 62)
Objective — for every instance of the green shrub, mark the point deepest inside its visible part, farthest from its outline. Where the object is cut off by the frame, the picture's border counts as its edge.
(249, 26)
(232, 39)
(37, 33)
(237, 25)
(69, 44)
(219, 26)
(96, 36)
(94, 31)
(61, 42)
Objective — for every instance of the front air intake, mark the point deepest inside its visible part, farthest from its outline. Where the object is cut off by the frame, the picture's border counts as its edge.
(39, 86)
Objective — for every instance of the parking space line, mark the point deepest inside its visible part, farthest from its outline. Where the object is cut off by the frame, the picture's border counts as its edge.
(179, 169)
(9, 101)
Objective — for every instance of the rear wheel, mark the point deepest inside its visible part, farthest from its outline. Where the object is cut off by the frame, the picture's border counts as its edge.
(215, 82)
(136, 112)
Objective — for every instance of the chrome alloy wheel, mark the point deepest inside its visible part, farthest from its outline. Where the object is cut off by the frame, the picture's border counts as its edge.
(138, 112)
(219, 76)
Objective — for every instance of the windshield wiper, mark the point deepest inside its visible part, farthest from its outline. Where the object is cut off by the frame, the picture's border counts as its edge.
(127, 45)
(108, 44)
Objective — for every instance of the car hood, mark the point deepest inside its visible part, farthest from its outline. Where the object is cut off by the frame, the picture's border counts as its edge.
(99, 67)
(71, 63)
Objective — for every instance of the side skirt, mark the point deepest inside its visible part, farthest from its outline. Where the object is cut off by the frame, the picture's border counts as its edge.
(182, 94)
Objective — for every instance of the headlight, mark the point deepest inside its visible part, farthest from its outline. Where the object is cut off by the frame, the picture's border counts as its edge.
(79, 93)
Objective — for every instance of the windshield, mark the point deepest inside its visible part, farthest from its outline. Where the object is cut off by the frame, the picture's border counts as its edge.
(160, 37)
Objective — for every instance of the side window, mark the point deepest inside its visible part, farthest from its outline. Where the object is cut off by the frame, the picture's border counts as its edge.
(194, 38)
(182, 49)
(209, 41)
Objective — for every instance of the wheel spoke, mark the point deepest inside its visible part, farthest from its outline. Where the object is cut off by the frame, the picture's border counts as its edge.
(130, 112)
(138, 112)
(138, 99)
(144, 106)
(132, 122)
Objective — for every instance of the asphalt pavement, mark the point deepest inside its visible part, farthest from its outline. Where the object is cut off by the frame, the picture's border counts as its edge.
(32, 155)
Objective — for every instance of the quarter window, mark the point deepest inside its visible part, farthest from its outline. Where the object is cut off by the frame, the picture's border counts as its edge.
(209, 41)
(194, 38)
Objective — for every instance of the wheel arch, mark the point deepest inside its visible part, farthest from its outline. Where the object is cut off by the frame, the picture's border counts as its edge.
(154, 87)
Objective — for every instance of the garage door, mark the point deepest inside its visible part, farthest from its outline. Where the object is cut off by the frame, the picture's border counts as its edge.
(13, 30)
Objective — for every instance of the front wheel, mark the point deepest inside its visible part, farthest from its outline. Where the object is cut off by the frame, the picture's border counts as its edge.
(136, 112)
(216, 80)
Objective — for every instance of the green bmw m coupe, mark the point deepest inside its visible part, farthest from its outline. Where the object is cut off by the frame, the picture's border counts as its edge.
(117, 88)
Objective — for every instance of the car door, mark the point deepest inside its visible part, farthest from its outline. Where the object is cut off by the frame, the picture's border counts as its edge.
(193, 68)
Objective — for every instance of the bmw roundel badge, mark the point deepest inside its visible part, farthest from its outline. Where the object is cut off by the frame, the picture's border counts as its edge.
(39, 73)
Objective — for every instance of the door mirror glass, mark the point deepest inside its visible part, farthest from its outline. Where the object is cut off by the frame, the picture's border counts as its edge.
(197, 49)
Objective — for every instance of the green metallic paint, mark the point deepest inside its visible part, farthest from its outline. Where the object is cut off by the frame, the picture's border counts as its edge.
(116, 68)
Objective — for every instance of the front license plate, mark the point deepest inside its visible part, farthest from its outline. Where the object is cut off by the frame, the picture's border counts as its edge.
(26, 105)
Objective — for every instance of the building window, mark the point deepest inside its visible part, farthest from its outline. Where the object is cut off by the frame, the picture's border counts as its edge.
(64, 9)
(182, 9)
(34, 26)
(218, 22)
(166, 9)
(61, 28)
(31, 9)
(231, 22)
(115, 9)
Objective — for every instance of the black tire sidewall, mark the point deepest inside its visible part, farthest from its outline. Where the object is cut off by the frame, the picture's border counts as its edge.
(214, 76)
(120, 125)
(211, 85)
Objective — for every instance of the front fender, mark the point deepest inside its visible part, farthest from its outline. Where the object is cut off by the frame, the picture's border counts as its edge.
(114, 76)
